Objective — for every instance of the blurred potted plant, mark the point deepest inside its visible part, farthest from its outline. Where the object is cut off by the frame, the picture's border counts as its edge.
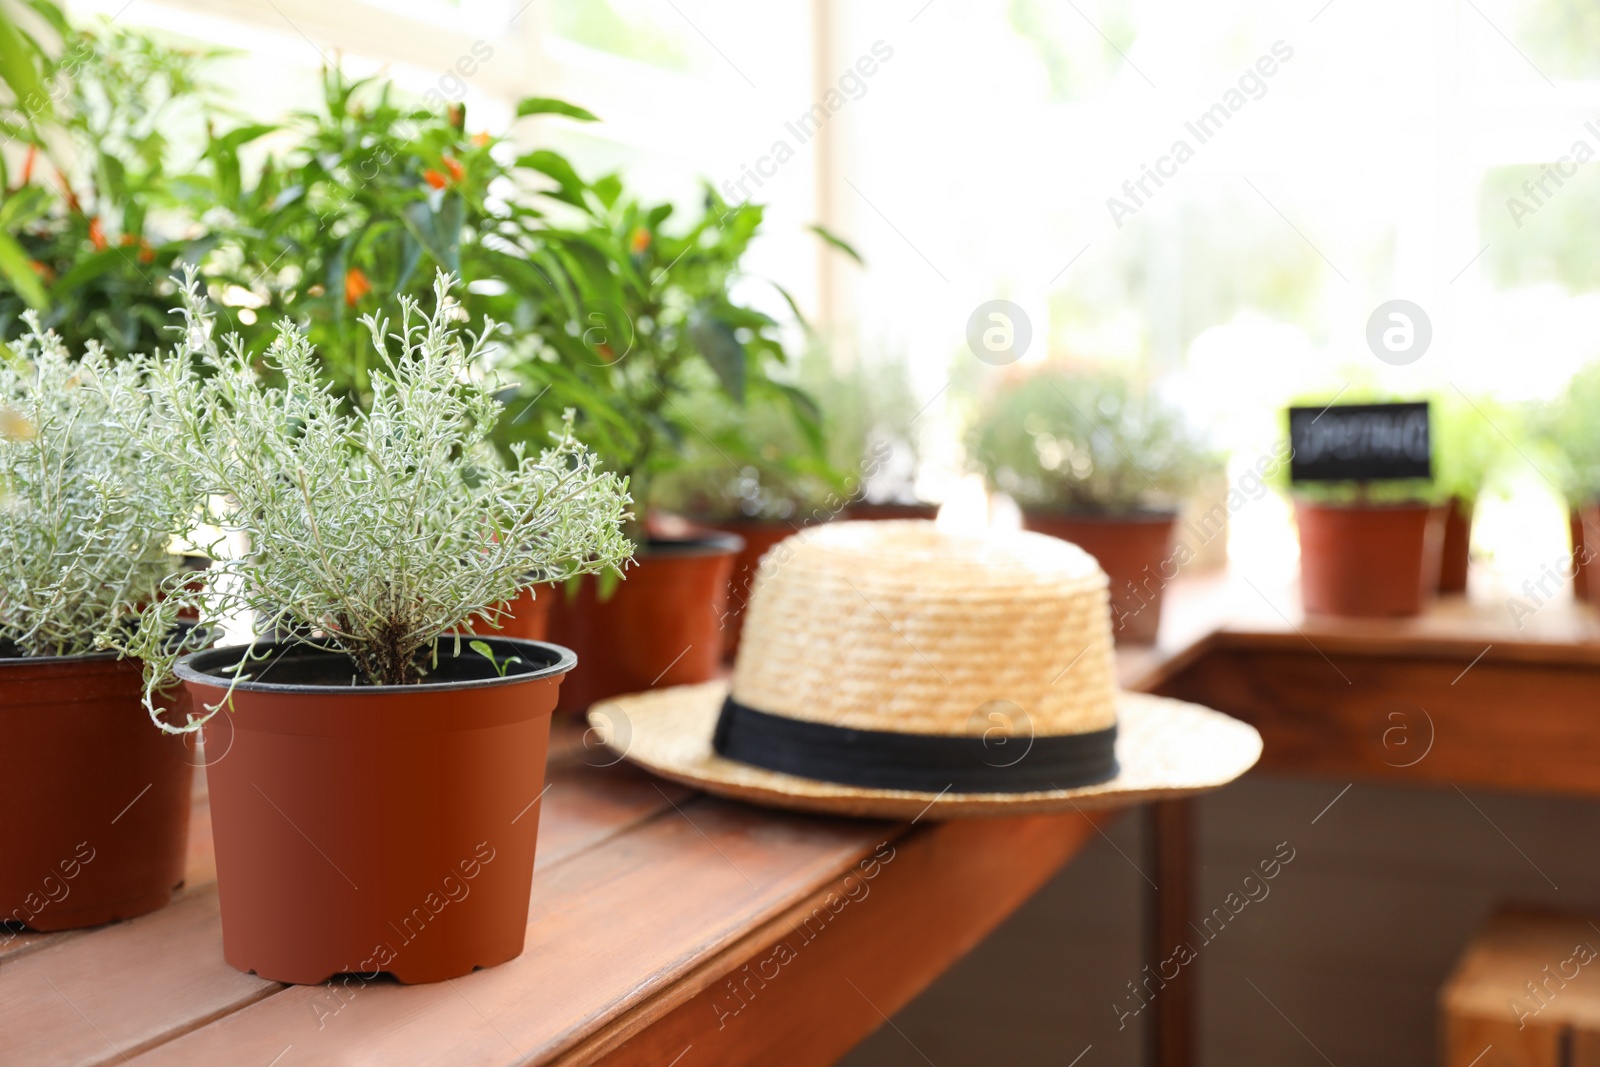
(656, 323)
(871, 423)
(104, 200)
(405, 749)
(1096, 459)
(1368, 549)
(97, 800)
(1469, 445)
(756, 470)
(1568, 428)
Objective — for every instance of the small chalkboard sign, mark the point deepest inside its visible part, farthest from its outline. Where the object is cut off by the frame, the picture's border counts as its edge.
(1360, 442)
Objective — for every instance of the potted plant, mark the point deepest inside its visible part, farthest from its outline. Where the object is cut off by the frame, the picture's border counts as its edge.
(873, 431)
(96, 799)
(369, 197)
(1097, 459)
(373, 810)
(657, 327)
(1469, 445)
(1567, 428)
(1372, 548)
(104, 198)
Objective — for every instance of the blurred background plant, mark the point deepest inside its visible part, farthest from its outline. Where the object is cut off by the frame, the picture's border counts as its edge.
(106, 199)
(665, 367)
(1086, 441)
(1359, 389)
(1568, 435)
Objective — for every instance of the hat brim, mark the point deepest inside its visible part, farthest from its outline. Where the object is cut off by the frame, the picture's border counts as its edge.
(1165, 749)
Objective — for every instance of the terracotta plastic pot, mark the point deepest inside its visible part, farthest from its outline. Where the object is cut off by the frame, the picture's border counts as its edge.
(865, 511)
(1368, 560)
(661, 626)
(377, 828)
(527, 617)
(95, 798)
(1135, 550)
(1454, 553)
(758, 536)
(1579, 541)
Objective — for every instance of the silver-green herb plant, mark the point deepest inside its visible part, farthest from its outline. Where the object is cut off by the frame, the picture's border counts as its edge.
(1086, 442)
(86, 517)
(370, 532)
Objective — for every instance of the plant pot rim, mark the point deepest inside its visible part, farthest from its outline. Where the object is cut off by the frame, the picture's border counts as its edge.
(1104, 515)
(195, 668)
(1368, 505)
(707, 543)
(76, 657)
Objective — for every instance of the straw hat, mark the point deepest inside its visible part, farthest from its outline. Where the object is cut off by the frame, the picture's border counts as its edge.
(894, 669)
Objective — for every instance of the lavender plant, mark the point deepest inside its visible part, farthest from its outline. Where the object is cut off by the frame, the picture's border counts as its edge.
(371, 532)
(85, 516)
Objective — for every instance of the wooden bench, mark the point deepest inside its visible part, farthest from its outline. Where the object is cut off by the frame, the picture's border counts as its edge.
(1525, 993)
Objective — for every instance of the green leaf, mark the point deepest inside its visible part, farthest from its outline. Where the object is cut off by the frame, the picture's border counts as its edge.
(19, 68)
(607, 188)
(18, 270)
(546, 105)
(715, 342)
(836, 241)
(554, 165)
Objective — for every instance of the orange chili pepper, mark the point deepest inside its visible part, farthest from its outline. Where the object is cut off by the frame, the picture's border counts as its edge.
(356, 286)
(435, 179)
(453, 165)
(97, 236)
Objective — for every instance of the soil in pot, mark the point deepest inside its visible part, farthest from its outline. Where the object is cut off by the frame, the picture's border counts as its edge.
(1455, 550)
(758, 535)
(95, 798)
(1136, 552)
(368, 829)
(661, 626)
(1368, 560)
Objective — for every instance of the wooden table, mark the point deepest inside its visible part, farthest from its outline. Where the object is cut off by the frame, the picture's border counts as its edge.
(1473, 694)
(668, 927)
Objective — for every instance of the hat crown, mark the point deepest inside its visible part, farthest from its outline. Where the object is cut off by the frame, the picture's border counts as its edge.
(901, 626)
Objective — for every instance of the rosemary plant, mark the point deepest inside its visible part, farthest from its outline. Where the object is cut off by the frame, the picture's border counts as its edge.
(371, 532)
(85, 518)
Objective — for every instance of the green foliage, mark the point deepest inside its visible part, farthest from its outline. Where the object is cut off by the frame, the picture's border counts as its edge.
(1569, 428)
(1539, 236)
(106, 200)
(656, 327)
(85, 513)
(1471, 436)
(1082, 441)
(374, 197)
(374, 531)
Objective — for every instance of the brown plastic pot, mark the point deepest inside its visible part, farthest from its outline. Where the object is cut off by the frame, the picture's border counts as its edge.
(527, 617)
(661, 626)
(1582, 546)
(758, 535)
(377, 828)
(868, 512)
(95, 798)
(1455, 550)
(1135, 550)
(1368, 560)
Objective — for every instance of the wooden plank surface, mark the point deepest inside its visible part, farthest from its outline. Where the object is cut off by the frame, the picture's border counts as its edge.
(649, 900)
(98, 996)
